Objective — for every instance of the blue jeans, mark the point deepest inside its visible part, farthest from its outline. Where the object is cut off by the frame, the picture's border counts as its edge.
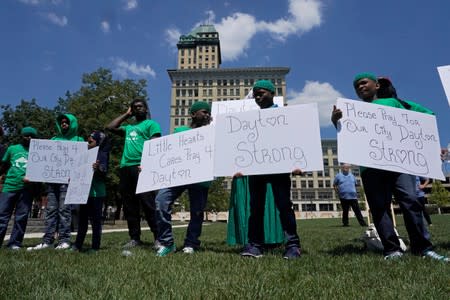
(198, 196)
(379, 186)
(21, 201)
(281, 188)
(91, 210)
(58, 216)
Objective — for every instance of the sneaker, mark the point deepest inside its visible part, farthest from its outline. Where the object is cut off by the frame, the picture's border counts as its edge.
(14, 247)
(157, 245)
(188, 250)
(63, 246)
(39, 247)
(251, 251)
(433, 255)
(165, 250)
(292, 253)
(394, 255)
(132, 244)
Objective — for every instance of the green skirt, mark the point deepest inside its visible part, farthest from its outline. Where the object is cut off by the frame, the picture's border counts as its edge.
(239, 213)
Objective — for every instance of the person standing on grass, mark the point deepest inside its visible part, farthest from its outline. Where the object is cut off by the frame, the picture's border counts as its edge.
(198, 196)
(135, 135)
(345, 185)
(263, 93)
(58, 215)
(16, 193)
(380, 185)
(93, 208)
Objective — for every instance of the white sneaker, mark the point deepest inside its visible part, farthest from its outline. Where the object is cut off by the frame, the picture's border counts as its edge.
(14, 247)
(39, 247)
(188, 250)
(63, 246)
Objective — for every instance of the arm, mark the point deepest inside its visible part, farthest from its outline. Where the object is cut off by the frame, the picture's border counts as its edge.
(114, 126)
(424, 184)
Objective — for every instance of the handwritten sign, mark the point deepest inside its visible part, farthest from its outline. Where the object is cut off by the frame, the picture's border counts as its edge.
(81, 177)
(388, 138)
(51, 161)
(444, 73)
(233, 106)
(177, 159)
(268, 141)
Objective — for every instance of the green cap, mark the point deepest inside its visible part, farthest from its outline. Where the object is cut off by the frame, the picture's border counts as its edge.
(200, 105)
(29, 131)
(264, 84)
(360, 76)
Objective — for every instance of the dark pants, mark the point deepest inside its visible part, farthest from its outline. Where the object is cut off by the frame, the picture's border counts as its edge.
(92, 210)
(379, 186)
(353, 203)
(21, 201)
(198, 195)
(427, 217)
(132, 203)
(281, 187)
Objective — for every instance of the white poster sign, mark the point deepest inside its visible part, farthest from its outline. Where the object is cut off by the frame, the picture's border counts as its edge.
(81, 177)
(268, 141)
(178, 159)
(51, 161)
(388, 138)
(234, 106)
(444, 73)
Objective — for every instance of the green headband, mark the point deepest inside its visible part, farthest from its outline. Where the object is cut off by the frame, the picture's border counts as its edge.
(200, 105)
(360, 76)
(264, 84)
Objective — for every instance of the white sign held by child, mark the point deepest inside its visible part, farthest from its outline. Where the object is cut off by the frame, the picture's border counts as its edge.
(444, 74)
(178, 159)
(388, 138)
(81, 177)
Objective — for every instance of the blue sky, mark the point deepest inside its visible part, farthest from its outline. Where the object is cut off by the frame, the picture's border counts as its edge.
(48, 44)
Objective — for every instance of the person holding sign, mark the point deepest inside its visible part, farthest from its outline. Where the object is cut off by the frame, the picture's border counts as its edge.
(135, 135)
(17, 191)
(380, 185)
(345, 185)
(59, 215)
(198, 195)
(93, 208)
(263, 92)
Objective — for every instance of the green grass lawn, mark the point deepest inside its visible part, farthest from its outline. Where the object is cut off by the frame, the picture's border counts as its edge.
(334, 265)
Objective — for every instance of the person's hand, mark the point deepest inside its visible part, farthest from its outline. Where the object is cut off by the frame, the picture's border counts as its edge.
(444, 154)
(129, 112)
(25, 180)
(297, 172)
(139, 169)
(336, 114)
(238, 174)
(96, 165)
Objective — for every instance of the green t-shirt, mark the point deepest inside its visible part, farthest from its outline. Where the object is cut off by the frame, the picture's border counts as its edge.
(98, 187)
(17, 157)
(135, 136)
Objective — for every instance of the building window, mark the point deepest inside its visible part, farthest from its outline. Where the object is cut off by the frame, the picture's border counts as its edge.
(303, 184)
(309, 207)
(308, 195)
(279, 91)
(294, 195)
(177, 122)
(320, 183)
(310, 183)
(325, 206)
(335, 162)
(177, 92)
(327, 183)
(294, 184)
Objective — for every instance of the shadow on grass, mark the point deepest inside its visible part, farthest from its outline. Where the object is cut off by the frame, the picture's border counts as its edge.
(443, 245)
(346, 249)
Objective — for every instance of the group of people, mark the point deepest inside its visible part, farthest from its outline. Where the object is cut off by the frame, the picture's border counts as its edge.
(260, 204)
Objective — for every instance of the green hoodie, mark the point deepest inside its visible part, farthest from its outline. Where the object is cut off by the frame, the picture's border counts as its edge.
(71, 134)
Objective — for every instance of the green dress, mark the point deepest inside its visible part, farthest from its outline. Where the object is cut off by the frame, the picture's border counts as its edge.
(239, 213)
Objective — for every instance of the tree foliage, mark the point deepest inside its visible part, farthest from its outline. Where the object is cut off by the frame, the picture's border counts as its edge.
(439, 195)
(218, 196)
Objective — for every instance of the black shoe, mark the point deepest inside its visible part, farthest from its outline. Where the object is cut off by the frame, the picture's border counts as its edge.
(251, 250)
(292, 253)
(132, 244)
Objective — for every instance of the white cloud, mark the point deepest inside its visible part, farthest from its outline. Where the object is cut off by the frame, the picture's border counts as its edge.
(130, 4)
(124, 69)
(235, 33)
(30, 2)
(104, 25)
(172, 36)
(37, 2)
(323, 94)
(55, 19)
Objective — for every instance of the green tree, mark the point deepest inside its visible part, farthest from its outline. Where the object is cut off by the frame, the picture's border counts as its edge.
(218, 196)
(439, 195)
(27, 113)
